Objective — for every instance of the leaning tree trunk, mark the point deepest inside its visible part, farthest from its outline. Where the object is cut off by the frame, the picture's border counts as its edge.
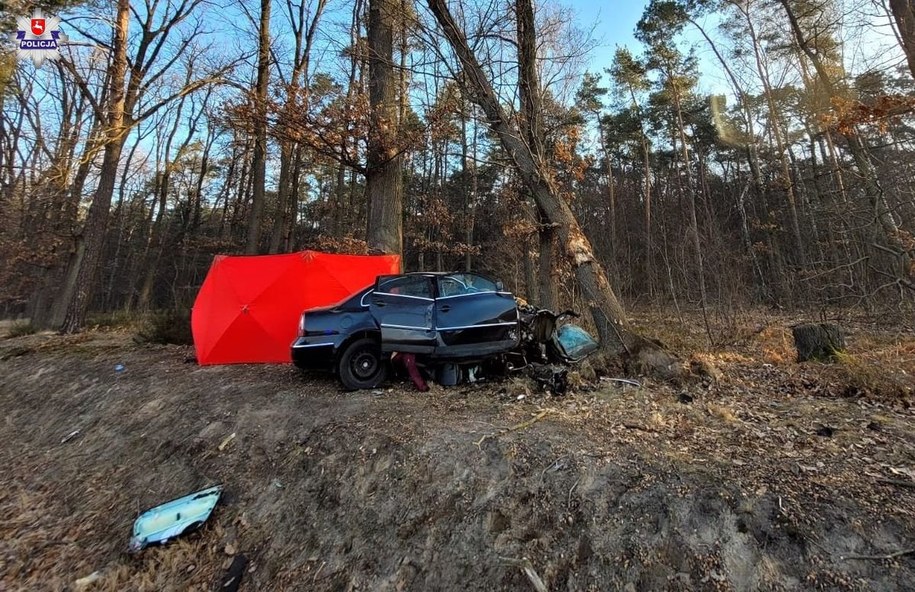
(602, 301)
(549, 278)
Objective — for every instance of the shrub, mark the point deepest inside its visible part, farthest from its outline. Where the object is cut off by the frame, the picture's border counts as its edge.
(863, 376)
(168, 326)
(109, 321)
(20, 329)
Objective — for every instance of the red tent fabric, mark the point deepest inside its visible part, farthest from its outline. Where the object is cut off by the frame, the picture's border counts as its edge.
(248, 308)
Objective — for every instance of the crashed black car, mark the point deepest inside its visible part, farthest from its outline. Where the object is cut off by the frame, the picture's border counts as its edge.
(440, 318)
(458, 317)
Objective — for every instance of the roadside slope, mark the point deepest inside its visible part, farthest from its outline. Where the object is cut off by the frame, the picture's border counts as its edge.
(618, 488)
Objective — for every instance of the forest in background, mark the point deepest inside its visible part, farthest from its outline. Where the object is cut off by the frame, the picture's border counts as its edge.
(174, 130)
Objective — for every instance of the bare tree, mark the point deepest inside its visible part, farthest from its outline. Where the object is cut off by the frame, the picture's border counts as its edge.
(304, 28)
(882, 212)
(89, 250)
(605, 307)
(128, 98)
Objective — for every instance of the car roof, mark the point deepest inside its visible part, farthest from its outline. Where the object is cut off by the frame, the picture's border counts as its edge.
(430, 273)
(440, 273)
(437, 274)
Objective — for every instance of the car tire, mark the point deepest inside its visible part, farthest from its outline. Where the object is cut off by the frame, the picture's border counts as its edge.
(361, 365)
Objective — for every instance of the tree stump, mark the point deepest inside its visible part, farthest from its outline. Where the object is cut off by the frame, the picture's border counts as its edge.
(819, 342)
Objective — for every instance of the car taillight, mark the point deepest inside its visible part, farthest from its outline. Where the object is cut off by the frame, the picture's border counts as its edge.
(302, 325)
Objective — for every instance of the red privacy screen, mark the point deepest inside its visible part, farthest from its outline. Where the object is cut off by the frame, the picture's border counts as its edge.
(248, 308)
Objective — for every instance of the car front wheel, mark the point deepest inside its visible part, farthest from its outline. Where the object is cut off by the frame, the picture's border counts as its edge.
(361, 365)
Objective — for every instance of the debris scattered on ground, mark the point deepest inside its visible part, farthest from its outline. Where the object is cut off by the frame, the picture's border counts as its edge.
(85, 582)
(69, 436)
(528, 569)
(171, 519)
(232, 579)
(701, 365)
(626, 381)
(551, 377)
(226, 441)
(825, 431)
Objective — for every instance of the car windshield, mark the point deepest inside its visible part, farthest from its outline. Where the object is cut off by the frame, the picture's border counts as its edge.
(456, 284)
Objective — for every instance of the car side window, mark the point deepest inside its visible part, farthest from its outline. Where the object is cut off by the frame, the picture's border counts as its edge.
(464, 283)
(449, 286)
(410, 285)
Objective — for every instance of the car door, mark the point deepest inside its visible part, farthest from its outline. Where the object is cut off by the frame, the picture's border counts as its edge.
(473, 316)
(402, 305)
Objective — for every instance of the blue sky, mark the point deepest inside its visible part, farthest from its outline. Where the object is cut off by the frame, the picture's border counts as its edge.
(871, 43)
(613, 22)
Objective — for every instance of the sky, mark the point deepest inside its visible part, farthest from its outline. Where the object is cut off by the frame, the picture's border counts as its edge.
(613, 22)
(872, 43)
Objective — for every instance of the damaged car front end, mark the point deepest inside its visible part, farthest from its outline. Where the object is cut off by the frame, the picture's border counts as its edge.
(550, 343)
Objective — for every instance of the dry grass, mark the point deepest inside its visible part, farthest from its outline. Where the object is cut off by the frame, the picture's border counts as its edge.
(880, 367)
(879, 362)
(20, 329)
(776, 345)
(722, 412)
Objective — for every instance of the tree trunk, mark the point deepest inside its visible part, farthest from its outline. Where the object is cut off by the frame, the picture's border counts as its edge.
(92, 239)
(292, 219)
(383, 179)
(259, 159)
(530, 96)
(471, 213)
(468, 189)
(549, 281)
(904, 14)
(282, 199)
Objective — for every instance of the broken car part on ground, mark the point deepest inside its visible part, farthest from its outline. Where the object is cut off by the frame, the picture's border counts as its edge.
(174, 518)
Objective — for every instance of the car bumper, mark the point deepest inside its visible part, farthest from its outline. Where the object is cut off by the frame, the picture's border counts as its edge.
(309, 354)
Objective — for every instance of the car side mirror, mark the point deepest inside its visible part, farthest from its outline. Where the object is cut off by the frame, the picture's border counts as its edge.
(500, 286)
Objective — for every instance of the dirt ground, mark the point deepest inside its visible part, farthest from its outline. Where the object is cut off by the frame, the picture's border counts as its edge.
(763, 474)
